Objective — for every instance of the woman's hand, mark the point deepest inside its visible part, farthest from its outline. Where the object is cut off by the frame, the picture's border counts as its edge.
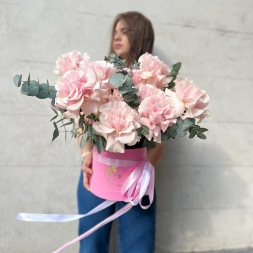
(87, 170)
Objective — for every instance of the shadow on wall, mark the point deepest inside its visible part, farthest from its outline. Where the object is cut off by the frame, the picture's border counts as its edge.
(194, 185)
(162, 56)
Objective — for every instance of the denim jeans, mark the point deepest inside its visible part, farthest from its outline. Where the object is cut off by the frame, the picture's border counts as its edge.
(136, 227)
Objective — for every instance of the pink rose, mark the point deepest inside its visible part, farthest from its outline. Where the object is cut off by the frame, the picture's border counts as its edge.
(152, 71)
(117, 123)
(69, 61)
(157, 112)
(104, 70)
(148, 90)
(115, 96)
(190, 98)
(73, 88)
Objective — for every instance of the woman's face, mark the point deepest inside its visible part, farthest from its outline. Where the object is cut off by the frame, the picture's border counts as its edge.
(121, 45)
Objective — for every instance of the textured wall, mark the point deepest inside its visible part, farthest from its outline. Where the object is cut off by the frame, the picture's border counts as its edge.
(204, 188)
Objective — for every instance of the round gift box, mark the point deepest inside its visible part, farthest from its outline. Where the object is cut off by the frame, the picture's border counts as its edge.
(108, 178)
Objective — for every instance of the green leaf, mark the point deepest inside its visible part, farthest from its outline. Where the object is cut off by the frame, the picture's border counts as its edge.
(134, 90)
(124, 89)
(17, 80)
(195, 127)
(189, 121)
(56, 132)
(192, 134)
(149, 144)
(136, 65)
(201, 136)
(62, 110)
(28, 80)
(33, 88)
(129, 81)
(53, 102)
(173, 72)
(52, 92)
(43, 91)
(104, 142)
(177, 66)
(83, 140)
(128, 98)
(145, 129)
(54, 111)
(180, 131)
(81, 121)
(66, 124)
(171, 84)
(173, 131)
(179, 122)
(165, 136)
(117, 79)
(73, 131)
(54, 117)
(25, 88)
(99, 144)
(201, 130)
(116, 61)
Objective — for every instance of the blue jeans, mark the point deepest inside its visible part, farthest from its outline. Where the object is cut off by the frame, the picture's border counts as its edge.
(136, 227)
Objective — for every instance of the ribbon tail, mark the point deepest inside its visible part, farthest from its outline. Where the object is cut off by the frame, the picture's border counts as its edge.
(61, 217)
(99, 225)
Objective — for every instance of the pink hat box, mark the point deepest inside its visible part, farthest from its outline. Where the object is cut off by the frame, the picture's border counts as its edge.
(107, 180)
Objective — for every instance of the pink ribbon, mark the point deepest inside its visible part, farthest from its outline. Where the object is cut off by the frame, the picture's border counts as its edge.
(139, 183)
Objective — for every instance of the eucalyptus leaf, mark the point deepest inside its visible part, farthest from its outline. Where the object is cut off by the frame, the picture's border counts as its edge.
(56, 132)
(66, 124)
(28, 80)
(179, 122)
(136, 65)
(134, 90)
(129, 81)
(17, 80)
(124, 89)
(192, 134)
(173, 131)
(201, 136)
(54, 117)
(43, 91)
(33, 88)
(128, 98)
(81, 121)
(149, 144)
(145, 130)
(99, 144)
(117, 79)
(180, 131)
(52, 92)
(173, 72)
(73, 131)
(53, 102)
(201, 130)
(171, 84)
(54, 111)
(177, 66)
(165, 136)
(83, 140)
(189, 121)
(104, 142)
(25, 88)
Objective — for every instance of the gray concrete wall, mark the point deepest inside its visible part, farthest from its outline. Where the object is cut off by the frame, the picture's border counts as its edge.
(204, 188)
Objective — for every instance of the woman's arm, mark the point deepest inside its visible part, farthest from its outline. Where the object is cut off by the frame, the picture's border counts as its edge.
(86, 152)
(154, 154)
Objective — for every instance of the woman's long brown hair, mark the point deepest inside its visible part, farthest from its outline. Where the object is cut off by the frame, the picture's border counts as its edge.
(140, 34)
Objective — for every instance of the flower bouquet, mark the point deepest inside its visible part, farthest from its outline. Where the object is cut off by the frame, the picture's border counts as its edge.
(122, 112)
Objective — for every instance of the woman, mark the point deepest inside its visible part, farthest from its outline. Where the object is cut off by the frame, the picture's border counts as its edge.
(132, 36)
